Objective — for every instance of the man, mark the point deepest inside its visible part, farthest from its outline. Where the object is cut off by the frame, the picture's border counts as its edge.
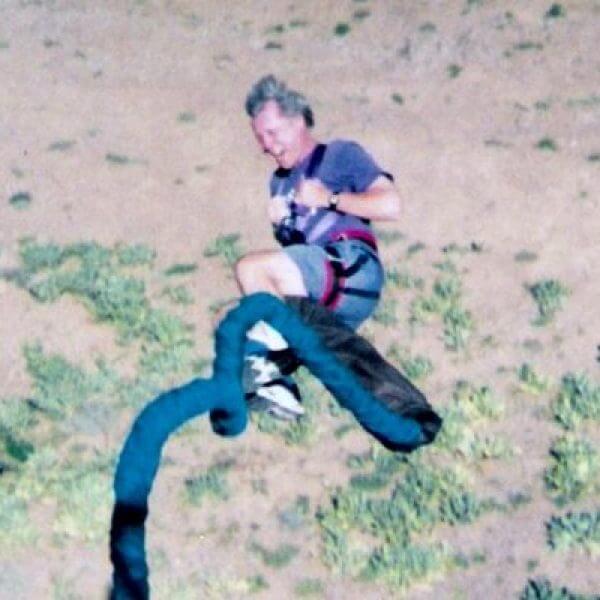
(322, 200)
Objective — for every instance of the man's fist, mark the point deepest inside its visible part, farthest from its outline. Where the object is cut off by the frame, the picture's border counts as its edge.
(278, 209)
(313, 193)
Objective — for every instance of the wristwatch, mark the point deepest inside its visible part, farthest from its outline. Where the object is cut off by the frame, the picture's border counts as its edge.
(334, 201)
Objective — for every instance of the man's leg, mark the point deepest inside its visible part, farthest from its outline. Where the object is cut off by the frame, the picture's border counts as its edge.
(269, 271)
(274, 272)
(266, 271)
(266, 387)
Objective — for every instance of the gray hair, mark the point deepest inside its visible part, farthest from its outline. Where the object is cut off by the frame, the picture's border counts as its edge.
(290, 102)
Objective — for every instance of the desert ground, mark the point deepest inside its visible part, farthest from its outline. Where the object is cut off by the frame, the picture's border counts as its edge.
(131, 182)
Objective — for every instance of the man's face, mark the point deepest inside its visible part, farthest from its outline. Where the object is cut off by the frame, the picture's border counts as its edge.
(279, 135)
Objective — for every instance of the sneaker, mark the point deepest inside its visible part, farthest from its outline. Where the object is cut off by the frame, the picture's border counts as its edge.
(268, 390)
(265, 340)
(279, 398)
(263, 333)
(258, 370)
(286, 360)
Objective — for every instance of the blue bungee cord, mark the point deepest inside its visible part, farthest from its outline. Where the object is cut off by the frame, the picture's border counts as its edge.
(223, 397)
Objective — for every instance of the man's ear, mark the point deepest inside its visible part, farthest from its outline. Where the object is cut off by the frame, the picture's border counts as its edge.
(298, 121)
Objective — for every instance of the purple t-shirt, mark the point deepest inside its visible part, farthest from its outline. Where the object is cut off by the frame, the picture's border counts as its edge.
(345, 167)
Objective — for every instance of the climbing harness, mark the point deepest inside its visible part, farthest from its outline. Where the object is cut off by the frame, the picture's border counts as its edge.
(339, 275)
(287, 234)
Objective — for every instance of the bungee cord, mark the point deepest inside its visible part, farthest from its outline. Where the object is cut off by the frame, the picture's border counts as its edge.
(222, 396)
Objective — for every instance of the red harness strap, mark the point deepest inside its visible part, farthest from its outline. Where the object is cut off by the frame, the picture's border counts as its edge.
(356, 234)
(337, 275)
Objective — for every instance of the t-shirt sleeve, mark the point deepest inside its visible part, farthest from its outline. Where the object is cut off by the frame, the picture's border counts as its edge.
(277, 182)
(350, 167)
(272, 186)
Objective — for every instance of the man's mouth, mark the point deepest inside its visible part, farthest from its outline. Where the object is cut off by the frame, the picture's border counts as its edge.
(279, 158)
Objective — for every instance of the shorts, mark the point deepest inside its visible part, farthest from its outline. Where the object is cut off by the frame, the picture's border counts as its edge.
(318, 275)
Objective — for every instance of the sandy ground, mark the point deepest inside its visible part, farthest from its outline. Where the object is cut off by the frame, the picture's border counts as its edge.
(113, 77)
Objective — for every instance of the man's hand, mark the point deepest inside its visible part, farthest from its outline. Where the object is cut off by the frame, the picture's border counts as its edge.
(278, 209)
(312, 193)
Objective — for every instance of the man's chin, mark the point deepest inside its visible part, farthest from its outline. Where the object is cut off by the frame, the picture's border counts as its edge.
(284, 161)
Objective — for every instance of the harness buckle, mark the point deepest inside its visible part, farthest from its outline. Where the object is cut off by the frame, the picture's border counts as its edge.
(344, 236)
(333, 256)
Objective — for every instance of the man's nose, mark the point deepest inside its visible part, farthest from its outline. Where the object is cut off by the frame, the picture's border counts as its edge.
(267, 147)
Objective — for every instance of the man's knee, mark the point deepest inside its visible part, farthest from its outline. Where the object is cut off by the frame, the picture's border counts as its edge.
(271, 271)
(250, 266)
(287, 276)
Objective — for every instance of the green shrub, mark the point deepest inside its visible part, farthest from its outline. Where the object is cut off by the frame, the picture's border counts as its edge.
(300, 432)
(15, 448)
(388, 237)
(454, 71)
(549, 295)
(530, 381)
(414, 248)
(84, 502)
(36, 257)
(555, 11)
(546, 144)
(525, 256)
(212, 483)
(15, 522)
(414, 367)
(578, 400)
(135, 255)
(279, 557)
(542, 589)
(477, 402)
(309, 587)
(77, 486)
(580, 530)
(574, 470)
(341, 29)
(93, 274)
(491, 447)
(385, 314)
(295, 516)
(445, 301)
(226, 247)
(372, 535)
(458, 327)
(401, 565)
(60, 388)
(462, 419)
(99, 278)
(186, 117)
(403, 280)
(178, 294)
(16, 414)
(181, 269)
(20, 200)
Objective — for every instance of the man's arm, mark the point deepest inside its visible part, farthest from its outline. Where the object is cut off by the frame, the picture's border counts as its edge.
(380, 201)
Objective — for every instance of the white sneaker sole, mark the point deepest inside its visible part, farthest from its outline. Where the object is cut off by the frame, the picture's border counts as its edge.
(280, 396)
(265, 334)
(263, 370)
